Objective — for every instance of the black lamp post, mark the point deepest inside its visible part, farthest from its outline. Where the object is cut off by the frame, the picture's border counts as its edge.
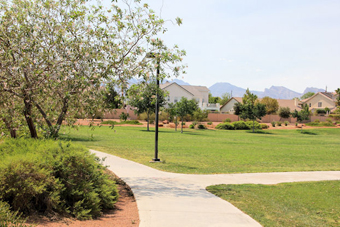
(156, 159)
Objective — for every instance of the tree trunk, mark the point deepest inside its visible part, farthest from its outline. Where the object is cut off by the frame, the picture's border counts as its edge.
(182, 126)
(148, 119)
(61, 117)
(9, 127)
(28, 117)
(176, 124)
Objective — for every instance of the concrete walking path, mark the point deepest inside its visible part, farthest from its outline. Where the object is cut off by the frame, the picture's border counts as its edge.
(172, 199)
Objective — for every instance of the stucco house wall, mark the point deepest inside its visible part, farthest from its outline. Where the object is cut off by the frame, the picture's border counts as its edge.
(229, 106)
(324, 102)
(176, 93)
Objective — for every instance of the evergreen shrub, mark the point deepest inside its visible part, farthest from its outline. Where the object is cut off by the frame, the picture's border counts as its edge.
(51, 176)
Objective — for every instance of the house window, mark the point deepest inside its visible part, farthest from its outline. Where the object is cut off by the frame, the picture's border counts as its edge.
(175, 99)
(319, 104)
(310, 104)
(168, 98)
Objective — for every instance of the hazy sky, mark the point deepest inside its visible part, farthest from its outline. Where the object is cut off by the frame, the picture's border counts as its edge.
(257, 43)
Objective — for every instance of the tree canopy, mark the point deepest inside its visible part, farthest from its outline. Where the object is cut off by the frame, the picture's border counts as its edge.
(250, 108)
(143, 96)
(271, 104)
(185, 107)
(307, 95)
(56, 54)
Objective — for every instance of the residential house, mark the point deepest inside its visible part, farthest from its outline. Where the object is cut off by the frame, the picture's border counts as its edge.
(198, 93)
(320, 100)
(229, 106)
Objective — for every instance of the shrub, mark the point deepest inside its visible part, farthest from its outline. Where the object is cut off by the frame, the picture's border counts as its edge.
(47, 176)
(273, 123)
(321, 111)
(329, 120)
(192, 126)
(317, 121)
(209, 123)
(226, 126)
(227, 120)
(9, 218)
(250, 125)
(335, 116)
(284, 112)
(183, 123)
(123, 116)
(144, 116)
(264, 126)
(200, 126)
(240, 125)
(279, 123)
(286, 123)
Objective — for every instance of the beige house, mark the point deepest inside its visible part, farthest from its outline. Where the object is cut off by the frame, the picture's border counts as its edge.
(229, 106)
(198, 93)
(320, 100)
(293, 104)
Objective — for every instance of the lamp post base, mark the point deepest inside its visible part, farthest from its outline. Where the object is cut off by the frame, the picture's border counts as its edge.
(155, 160)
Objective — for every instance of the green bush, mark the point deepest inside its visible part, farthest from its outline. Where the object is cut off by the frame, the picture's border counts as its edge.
(335, 116)
(9, 218)
(192, 126)
(240, 125)
(329, 120)
(227, 120)
(317, 121)
(273, 123)
(144, 116)
(123, 116)
(209, 123)
(321, 111)
(286, 123)
(226, 126)
(251, 124)
(200, 126)
(279, 123)
(51, 176)
(264, 126)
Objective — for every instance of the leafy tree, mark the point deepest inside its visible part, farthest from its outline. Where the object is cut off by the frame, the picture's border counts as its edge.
(55, 54)
(184, 107)
(143, 97)
(112, 99)
(249, 97)
(250, 109)
(271, 104)
(213, 99)
(172, 111)
(225, 98)
(338, 97)
(302, 114)
(200, 115)
(284, 112)
(307, 95)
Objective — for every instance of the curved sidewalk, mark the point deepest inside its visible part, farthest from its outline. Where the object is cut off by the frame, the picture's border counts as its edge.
(171, 199)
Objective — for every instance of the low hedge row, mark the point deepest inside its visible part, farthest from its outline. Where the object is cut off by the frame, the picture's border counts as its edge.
(241, 125)
(48, 176)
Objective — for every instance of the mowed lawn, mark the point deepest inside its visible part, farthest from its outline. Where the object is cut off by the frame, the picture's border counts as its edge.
(216, 151)
(288, 204)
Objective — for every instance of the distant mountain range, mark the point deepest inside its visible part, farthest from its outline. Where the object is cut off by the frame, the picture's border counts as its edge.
(277, 92)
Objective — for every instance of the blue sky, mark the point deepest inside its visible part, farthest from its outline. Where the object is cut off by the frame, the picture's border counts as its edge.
(256, 44)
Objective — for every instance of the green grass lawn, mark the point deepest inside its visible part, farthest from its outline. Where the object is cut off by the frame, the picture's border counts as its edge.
(214, 151)
(288, 204)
